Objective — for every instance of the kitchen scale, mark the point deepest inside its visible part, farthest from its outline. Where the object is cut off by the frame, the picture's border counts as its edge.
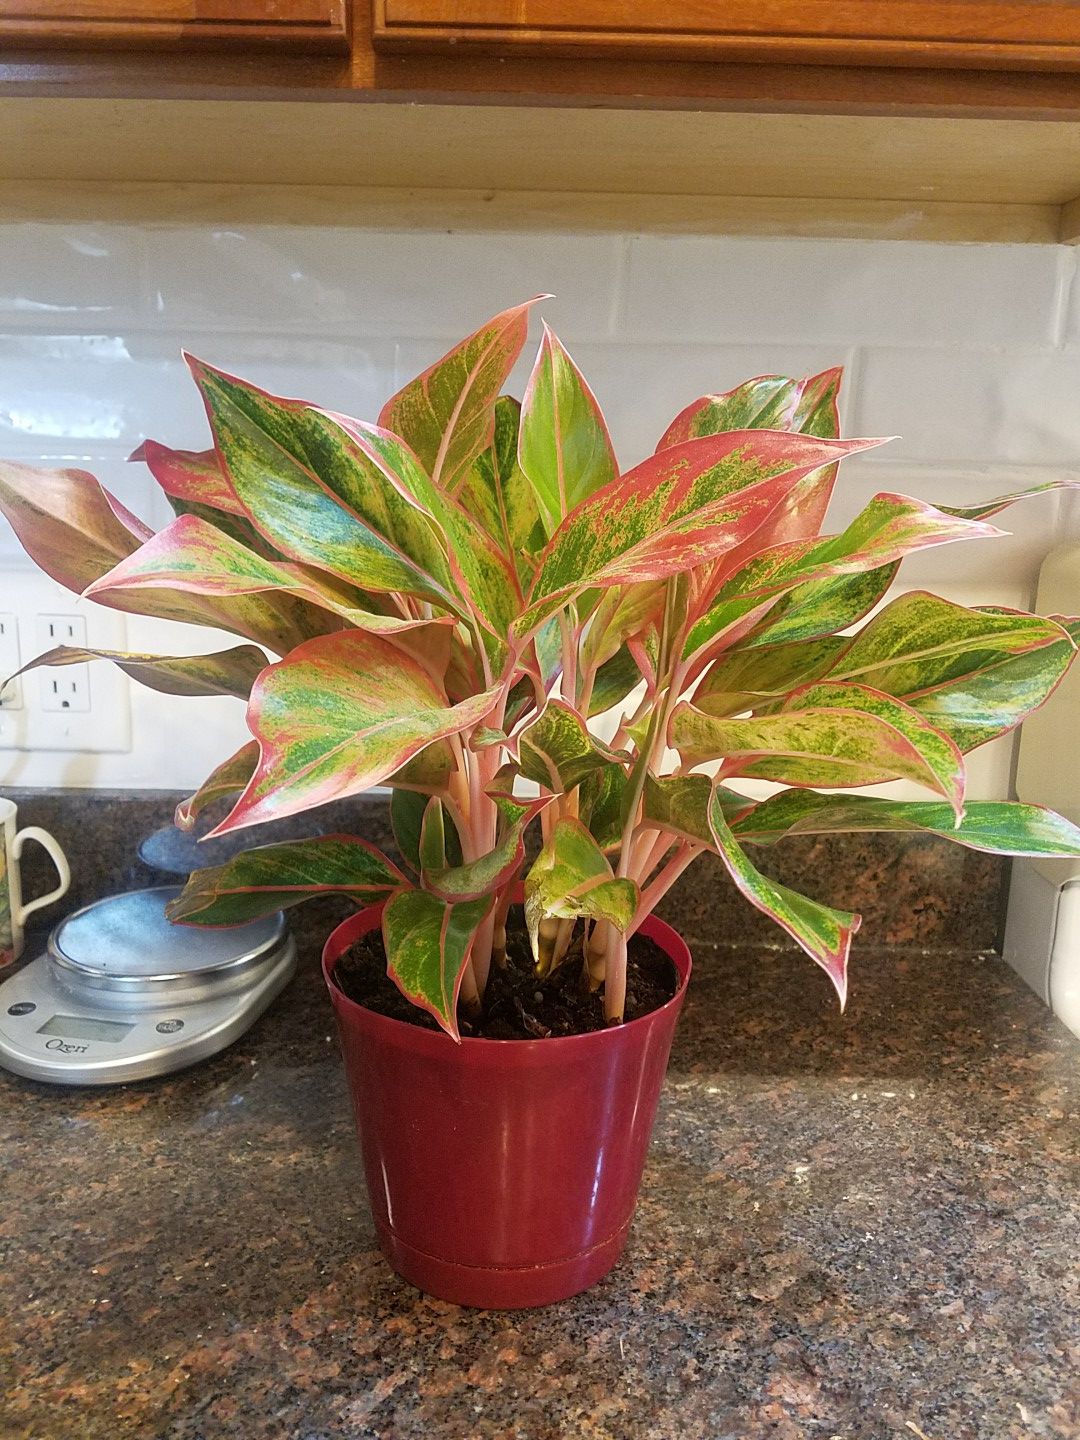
(122, 994)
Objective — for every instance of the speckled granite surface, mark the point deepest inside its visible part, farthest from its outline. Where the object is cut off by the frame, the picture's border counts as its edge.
(850, 1227)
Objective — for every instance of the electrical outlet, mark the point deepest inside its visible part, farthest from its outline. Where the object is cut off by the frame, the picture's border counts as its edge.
(11, 695)
(63, 687)
(79, 709)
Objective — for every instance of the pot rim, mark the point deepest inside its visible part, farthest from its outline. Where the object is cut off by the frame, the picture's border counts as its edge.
(665, 935)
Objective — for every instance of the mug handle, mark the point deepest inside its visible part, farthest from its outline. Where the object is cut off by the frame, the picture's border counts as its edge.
(56, 855)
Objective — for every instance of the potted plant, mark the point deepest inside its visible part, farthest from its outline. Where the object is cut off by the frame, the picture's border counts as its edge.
(470, 604)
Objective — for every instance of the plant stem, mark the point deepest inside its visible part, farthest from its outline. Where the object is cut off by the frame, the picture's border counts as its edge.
(651, 896)
(615, 977)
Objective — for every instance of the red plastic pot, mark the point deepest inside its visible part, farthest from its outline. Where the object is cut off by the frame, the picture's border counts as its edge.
(503, 1173)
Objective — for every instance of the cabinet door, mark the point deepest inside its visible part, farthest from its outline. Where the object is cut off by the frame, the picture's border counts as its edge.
(175, 24)
(994, 34)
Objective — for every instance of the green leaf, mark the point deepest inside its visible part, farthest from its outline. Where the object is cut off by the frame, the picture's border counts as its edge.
(564, 447)
(974, 674)
(614, 681)
(887, 529)
(682, 805)
(338, 715)
(321, 493)
(276, 877)
(406, 820)
(998, 827)
(226, 779)
(832, 735)
(488, 873)
(676, 510)
(498, 495)
(825, 934)
(744, 678)
(993, 507)
(67, 522)
(433, 836)
(447, 415)
(428, 943)
(227, 672)
(822, 607)
(601, 804)
(571, 878)
(557, 750)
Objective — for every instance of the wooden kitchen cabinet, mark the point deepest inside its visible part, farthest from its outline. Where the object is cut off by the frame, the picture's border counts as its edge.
(282, 25)
(986, 34)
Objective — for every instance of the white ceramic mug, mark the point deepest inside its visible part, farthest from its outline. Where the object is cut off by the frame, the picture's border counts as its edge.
(13, 912)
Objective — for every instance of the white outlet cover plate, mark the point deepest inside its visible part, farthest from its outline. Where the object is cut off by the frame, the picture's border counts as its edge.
(106, 726)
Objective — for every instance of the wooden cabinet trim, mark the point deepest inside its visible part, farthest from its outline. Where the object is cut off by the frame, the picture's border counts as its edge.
(1012, 33)
(283, 25)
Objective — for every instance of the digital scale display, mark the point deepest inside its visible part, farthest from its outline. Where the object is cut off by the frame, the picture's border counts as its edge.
(85, 1027)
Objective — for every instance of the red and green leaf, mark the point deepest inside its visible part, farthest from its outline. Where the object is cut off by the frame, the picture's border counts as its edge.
(227, 672)
(228, 778)
(773, 402)
(824, 933)
(497, 494)
(447, 414)
(195, 477)
(997, 827)
(831, 735)
(67, 522)
(887, 529)
(745, 678)
(276, 877)
(320, 494)
(564, 447)
(340, 714)
(571, 878)
(474, 879)
(557, 749)
(428, 944)
(678, 509)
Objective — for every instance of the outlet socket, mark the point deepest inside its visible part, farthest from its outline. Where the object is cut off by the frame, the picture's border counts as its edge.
(11, 694)
(63, 687)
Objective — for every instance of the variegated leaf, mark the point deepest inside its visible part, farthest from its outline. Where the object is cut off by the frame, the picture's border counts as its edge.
(570, 878)
(447, 414)
(557, 749)
(887, 529)
(428, 943)
(193, 557)
(472, 879)
(228, 778)
(614, 681)
(320, 494)
(602, 803)
(821, 608)
(67, 522)
(498, 495)
(974, 674)
(564, 447)
(824, 933)
(678, 509)
(194, 477)
(997, 827)
(227, 672)
(276, 877)
(744, 679)
(987, 508)
(832, 735)
(338, 715)
(682, 806)
(773, 402)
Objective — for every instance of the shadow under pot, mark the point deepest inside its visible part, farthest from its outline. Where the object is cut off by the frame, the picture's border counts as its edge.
(503, 1173)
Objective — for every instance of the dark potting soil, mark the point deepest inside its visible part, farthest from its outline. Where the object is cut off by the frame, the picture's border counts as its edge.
(517, 1006)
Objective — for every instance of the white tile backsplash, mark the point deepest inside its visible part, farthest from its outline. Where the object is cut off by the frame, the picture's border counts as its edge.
(681, 288)
(970, 354)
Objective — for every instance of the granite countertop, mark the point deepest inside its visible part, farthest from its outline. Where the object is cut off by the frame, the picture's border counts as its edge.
(862, 1227)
